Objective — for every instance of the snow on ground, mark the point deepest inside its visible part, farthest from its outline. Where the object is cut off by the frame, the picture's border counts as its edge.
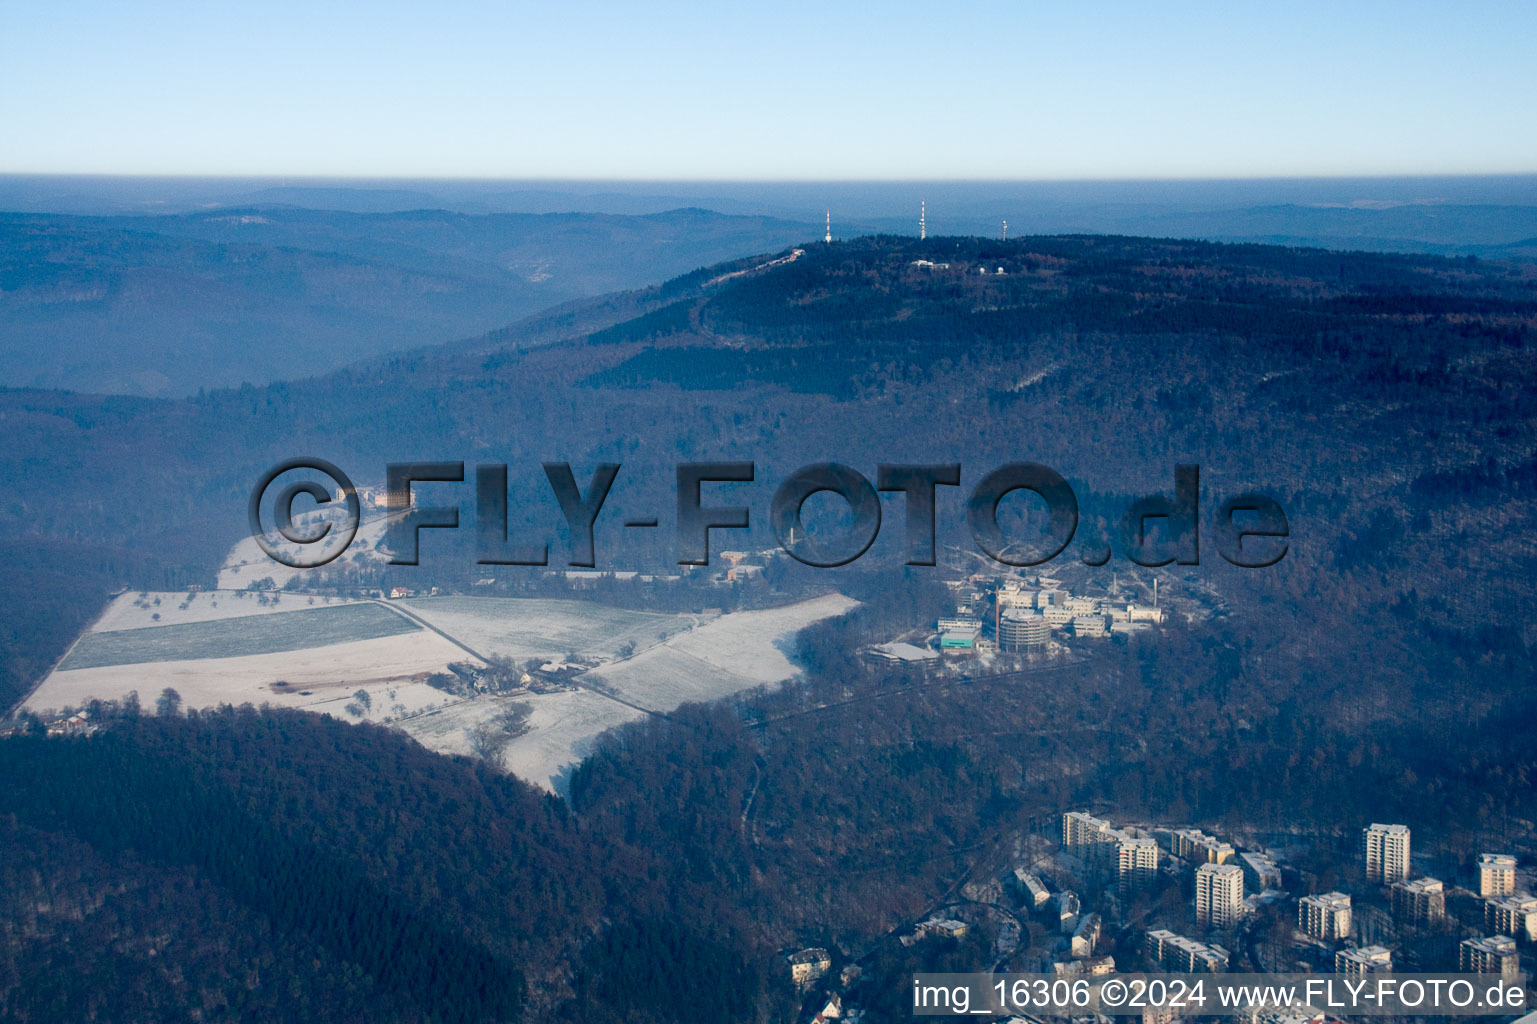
(137, 609)
(524, 628)
(680, 658)
(296, 630)
(314, 676)
(563, 728)
(735, 652)
(247, 562)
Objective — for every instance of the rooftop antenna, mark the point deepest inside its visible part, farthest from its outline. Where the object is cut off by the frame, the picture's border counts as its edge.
(829, 237)
(1005, 231)
(923, 231)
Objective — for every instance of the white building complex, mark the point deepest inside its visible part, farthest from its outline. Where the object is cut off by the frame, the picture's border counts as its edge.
(1385, 849)
(1135, 857)
(1326, 916)
(1218, 894)
(1194, 845)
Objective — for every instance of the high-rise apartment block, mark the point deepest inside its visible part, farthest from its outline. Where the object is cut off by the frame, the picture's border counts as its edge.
(1496, 875)
(1385, 849)
(1326, 916)
(1218, 894)
(1420, 902)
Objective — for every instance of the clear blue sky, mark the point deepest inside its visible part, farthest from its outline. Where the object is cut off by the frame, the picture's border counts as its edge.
(769, 90)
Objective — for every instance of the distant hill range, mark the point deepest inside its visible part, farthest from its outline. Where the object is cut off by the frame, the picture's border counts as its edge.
(166, 305)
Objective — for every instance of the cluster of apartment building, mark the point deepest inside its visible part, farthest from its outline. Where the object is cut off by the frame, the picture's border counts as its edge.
(1134, 857)
(1421, 902)
(1026, 614)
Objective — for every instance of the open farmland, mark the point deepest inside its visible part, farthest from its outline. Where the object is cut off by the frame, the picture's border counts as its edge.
(237, 636)
(303, 678)
(229, 647)
(733, 653)
(524, 628)
(148, 609)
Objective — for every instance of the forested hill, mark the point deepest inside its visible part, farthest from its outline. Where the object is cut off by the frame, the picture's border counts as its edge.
(1389, 403)
(241, 866)
(1387, 400)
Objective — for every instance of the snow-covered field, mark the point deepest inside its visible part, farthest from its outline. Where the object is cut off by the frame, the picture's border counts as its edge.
(247, 562)
(228, 648)
(523, 628)
(139, 609)
(733, 653)
(314, 676)
(563, 728)
(283, 631)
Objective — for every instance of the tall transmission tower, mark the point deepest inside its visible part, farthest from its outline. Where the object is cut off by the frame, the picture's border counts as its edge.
(923, 231)
(829, 236)
(1005, 231)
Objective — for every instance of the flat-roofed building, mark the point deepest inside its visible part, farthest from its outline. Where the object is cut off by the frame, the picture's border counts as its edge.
(1020, 629)
(1136, 864)
(1512, 915)
(1385, 853)
(1177, 953)
(1194, 845)
(1259, 871)
(1082, 829)
(1325, 916)
(1495, 954)
(1218, 894)
(1496, 875)
(1367, 960)
(1422, 901)
(1089, 625)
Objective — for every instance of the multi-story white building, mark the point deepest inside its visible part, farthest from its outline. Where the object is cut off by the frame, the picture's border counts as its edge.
(1056, 616)
(1089, 625)
(1194, 845)
(1385, 850)
(1493, 955)
(1177, 953)
(1020, 630)
(1496, 875)
(1512, 915)
(1422, 901)
(1136, 864)
(1080, 828)
(1218, 894)
(1259, 871)
(1367, 960)
(1326, 916)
